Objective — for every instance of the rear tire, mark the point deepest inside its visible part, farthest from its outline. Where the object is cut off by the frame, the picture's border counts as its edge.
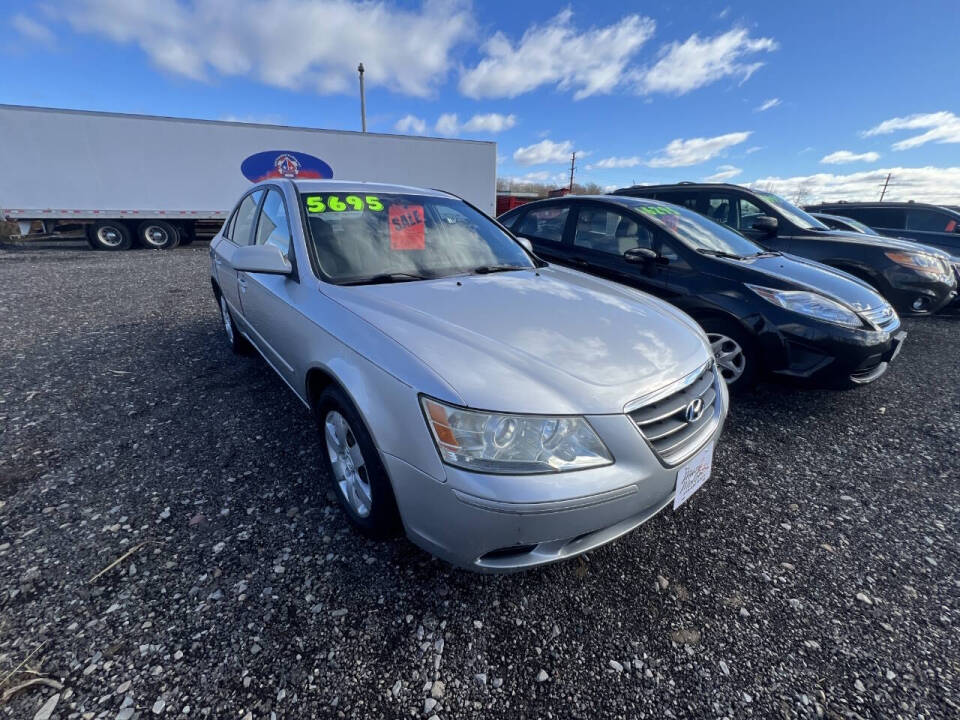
(353, 464)
(735, 352)
(109, 235)
(157, 235)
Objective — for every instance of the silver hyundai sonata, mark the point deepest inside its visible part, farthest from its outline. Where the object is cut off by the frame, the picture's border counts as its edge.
(504, 412)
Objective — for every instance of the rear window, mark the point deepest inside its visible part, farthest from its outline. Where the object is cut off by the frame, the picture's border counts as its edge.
(358, 237)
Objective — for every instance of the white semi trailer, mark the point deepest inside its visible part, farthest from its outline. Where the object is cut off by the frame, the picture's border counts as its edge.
(160, 182)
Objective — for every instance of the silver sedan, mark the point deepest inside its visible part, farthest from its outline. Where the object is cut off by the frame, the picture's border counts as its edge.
(501, 411)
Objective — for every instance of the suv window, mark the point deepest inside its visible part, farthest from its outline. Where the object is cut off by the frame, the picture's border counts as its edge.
(723, 209)
(246, 216)
(609, 231)
(894, 218)
(748, 214)
(928, 220)
(679, 197)
(273, 227)
(545, 223)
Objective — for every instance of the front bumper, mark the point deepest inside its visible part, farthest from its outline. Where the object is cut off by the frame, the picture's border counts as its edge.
(819, 353)
(497, 523)
(913, 294)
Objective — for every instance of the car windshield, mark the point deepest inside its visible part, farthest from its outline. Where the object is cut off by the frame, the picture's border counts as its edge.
(798, 217)
(696, 231)
(856, 224)
(391, 237)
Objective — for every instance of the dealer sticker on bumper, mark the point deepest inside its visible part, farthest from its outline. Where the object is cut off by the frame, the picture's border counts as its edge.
(692, 475)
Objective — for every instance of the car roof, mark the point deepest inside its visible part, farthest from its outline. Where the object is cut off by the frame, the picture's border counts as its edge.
(367, 188)
(685, 185)
(622, 200)
(877, 203)
(830, 216)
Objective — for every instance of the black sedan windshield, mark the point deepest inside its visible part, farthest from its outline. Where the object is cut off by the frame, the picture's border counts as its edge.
(396, 238)
(696, 231)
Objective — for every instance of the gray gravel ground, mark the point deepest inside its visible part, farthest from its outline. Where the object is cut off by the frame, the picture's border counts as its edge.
(814, 575)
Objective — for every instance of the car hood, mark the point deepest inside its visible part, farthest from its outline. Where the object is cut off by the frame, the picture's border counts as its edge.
(550, 341)
(882, 241)
(789, 272)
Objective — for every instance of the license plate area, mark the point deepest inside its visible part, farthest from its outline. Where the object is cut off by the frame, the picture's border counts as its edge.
(693, 475)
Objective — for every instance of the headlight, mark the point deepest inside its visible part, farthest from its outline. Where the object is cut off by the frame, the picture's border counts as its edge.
(810, 304)
(513, 444)
(927, 265)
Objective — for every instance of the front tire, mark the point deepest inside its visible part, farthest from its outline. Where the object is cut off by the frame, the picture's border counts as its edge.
(238, 343)
(735, 353)
(157, 235)
(353, 464)
(109, 235)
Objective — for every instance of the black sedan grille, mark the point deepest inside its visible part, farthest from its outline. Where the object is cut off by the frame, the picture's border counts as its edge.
(671, 428)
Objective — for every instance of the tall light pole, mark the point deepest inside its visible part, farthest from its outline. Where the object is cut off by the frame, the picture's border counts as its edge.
(363, 100)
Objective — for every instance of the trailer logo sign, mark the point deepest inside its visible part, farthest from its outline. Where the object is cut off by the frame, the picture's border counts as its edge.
(284, 163)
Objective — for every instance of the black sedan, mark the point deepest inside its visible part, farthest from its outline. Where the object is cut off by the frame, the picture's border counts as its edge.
(762, 311)
(916, 278)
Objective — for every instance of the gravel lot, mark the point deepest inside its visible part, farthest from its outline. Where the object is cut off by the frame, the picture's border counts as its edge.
(816, 574)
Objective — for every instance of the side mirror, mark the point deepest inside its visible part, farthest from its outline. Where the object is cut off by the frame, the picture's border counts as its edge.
(639, 255)
(261, 259)
(766, 224)
(526, 243)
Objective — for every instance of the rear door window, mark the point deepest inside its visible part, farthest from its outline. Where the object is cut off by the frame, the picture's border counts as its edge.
(546, 223)
(877, 217)
(678, 197)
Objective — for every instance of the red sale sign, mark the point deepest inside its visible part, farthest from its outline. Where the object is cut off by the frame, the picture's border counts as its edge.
(406, 227)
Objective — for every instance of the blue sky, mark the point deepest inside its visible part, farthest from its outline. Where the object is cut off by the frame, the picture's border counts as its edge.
(818, 98)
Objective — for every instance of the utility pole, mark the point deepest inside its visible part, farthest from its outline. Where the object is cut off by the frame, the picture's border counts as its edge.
(363, 100)
(573, 165)
(885, 184)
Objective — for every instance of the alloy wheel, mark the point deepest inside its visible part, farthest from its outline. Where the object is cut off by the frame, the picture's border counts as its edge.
(349, 466)
(730, 358)
(109, 236)
(156, 236)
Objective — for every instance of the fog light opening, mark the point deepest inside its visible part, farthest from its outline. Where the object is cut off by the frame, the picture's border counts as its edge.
(919, 304)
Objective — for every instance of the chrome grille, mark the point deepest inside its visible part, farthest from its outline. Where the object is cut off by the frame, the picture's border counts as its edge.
(884, 317)
(664, 424)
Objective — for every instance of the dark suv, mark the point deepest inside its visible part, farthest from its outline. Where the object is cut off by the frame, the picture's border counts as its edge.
(916, 279)
(927, 224)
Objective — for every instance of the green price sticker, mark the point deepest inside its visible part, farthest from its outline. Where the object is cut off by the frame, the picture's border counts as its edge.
(658, 210)
(333, 203)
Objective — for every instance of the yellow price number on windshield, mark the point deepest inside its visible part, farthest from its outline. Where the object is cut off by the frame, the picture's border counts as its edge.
(333, 203)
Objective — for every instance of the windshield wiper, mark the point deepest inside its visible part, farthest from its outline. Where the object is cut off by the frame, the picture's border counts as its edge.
(387, 278)
(487, 269)
(766, 253)
(719, 253)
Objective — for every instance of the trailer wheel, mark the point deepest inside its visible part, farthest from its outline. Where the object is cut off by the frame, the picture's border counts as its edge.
(157, 235)
(109, 235)
(187, 234)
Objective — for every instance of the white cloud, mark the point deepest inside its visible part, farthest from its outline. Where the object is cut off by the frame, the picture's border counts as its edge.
(33, 30)
(723, 173)
(768, 104)
(752, 150)
(543, 152)
(845, 156)
(941, 127)
(306, 44)
(490, 122)
(410, 125)
(696, 62)
(681, 153)
(559, 54)
(923, 184)
(447, 124)
(616, 162)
